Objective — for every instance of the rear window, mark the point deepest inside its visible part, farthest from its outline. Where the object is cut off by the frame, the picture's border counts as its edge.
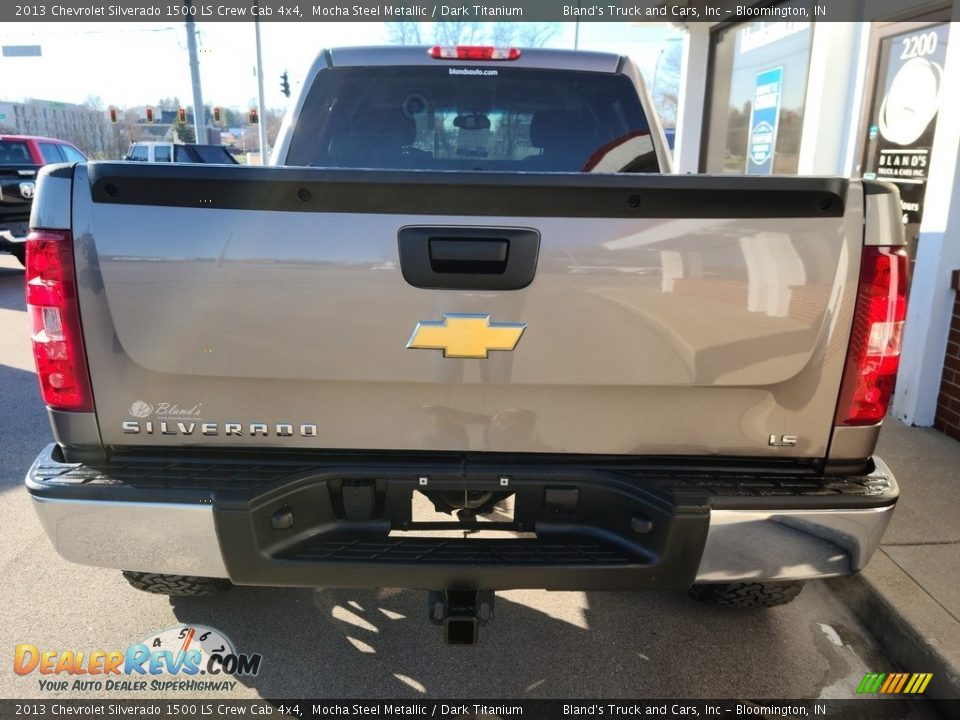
(51, 152)
(14, 152)
(216, 154)
(469, 118)
(72, 154)
(161, 153)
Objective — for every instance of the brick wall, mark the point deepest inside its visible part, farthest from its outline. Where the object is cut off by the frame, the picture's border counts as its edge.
(807, 302)
(948, 401)
(730, 292)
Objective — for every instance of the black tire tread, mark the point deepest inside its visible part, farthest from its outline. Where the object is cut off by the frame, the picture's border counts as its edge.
(746, 595)
(175, 584)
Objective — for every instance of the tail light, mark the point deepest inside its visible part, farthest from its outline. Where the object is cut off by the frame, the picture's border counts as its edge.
(55, 321)
(473, 52)
(874, 353)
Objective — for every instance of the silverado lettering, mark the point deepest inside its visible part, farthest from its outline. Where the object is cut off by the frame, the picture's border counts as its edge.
(148, 427)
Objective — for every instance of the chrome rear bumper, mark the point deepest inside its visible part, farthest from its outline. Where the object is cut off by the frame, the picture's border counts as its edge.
(790, 544)
(172, 538)
(774, 543)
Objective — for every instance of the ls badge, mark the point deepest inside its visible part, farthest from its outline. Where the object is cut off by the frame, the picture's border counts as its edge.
(465, 336)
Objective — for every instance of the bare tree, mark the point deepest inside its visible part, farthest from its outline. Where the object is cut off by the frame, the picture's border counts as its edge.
(273, 120)
(534, 35)
(404, 33)
(665, 84)
(458, 33)
(500, 34)
(94, 102)
(528, 34)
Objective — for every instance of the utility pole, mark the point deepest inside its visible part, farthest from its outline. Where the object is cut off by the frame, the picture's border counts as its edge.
(261, 109)
(199, 121)
(576, 30)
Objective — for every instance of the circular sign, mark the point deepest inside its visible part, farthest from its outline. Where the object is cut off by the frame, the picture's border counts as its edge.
(912, 101)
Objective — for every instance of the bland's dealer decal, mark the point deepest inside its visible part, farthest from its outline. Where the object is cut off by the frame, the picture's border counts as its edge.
(186, 658)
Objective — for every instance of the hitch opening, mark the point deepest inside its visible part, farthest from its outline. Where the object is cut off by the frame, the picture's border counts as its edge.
(461, 612)
(460, 631)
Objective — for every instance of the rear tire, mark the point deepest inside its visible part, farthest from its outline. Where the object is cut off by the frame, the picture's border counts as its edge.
(175, 584)
(746, 595)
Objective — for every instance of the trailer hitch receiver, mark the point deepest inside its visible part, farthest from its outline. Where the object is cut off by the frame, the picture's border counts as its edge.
(461, 613)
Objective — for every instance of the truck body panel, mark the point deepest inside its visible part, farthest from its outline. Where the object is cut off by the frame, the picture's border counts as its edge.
(634, 325)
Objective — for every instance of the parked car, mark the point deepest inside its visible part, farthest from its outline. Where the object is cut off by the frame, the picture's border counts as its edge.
(20, 158)
(164, 152)
(267, 372)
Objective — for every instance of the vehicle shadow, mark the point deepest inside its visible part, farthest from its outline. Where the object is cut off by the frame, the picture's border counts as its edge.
(379, 643)
(22, 416)
(11, 288)
(345, 644)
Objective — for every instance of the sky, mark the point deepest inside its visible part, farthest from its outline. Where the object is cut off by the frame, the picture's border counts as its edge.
(130, 64)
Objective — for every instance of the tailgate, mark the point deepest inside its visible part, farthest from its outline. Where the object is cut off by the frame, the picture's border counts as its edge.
(271, 307)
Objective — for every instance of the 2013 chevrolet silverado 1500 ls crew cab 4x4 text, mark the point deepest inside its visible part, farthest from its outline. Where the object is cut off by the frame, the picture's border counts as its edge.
(473, 285)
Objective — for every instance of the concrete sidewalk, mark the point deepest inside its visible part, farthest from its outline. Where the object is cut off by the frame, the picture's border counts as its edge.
(909, 594)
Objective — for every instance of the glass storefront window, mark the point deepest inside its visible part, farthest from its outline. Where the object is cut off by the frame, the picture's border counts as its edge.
(903, 114)
(757, 89)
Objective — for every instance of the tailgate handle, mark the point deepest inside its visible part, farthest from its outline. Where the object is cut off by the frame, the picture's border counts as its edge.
(468, 257)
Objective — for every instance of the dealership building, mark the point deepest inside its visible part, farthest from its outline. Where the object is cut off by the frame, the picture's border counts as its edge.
(873, 99)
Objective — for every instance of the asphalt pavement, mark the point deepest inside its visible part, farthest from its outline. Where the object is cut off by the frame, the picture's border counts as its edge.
(364, 644)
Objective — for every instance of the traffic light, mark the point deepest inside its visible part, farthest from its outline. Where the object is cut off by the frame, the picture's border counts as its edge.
(182, 115)
(253, 117)
(113, 115)
(150, 115)
(285, 84)
(216, 115)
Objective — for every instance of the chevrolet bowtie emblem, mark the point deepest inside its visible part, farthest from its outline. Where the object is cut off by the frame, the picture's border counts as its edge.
(465, 336)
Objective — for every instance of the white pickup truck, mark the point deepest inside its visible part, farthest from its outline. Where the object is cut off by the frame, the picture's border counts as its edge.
(475, 286)
(165, 152)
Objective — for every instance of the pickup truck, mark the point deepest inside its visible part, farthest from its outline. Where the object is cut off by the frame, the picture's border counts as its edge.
(471, 335)
(179, 152)
(21, 156)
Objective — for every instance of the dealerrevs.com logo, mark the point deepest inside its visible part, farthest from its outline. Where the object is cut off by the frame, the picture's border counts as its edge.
(186, 658)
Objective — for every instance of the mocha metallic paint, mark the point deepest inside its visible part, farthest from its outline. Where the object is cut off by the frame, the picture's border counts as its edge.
(644, 335)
